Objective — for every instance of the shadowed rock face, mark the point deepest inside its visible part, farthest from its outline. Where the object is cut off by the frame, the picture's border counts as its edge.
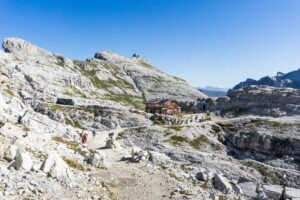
(261, 135)
(265, 143)
(268, 145)
(261, 100)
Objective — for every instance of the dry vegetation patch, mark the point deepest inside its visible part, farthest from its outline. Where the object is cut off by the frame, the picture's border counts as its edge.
(71, 145)
(74, 164)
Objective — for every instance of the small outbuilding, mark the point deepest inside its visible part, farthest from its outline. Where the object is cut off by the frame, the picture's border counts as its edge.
(63, 101)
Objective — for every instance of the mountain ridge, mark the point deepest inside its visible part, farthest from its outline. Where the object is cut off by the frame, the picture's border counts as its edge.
(290, 79)
(106, 76)
(212, 88)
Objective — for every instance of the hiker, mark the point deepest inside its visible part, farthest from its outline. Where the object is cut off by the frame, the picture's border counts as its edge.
(94, 133)
(84, 138)
(81, 134)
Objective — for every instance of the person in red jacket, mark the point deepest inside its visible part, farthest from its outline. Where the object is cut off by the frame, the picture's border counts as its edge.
(85, 138)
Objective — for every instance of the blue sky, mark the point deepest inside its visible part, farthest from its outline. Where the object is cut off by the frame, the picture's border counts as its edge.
(206, 42)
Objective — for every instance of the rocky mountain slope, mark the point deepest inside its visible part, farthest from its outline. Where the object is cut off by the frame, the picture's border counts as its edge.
(291, 79)
(107, 76)
(135, 155)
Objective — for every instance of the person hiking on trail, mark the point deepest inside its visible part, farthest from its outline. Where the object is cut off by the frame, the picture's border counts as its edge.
(84, 138)
(81, 135)
(94, 133)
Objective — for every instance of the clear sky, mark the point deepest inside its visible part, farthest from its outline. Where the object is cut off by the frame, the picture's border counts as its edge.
(206, 42)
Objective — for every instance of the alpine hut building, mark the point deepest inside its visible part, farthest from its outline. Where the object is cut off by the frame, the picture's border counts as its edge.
(162, 106)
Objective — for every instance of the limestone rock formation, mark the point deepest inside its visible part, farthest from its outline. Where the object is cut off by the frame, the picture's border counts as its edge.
(22, 47)
(221, 183)
(249, 189)
(260, 100)
(138, 155)
(110, 144)
(56, 167)
(97, 159)
(23, 161)
(11, 153)
(273, 191)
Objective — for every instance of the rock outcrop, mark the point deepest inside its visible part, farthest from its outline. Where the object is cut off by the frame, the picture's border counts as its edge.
(21, 47)
(97, 159)
(221, 183)
(11, 153)
(260, 100)
(249, 189)
(273, 191)
(148, 80)
(138, 155)
(264, 135)
(23, 161)
(56, 167)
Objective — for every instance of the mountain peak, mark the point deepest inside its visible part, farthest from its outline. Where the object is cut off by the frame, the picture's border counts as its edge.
(22, 47)
(107, 55)
(279, 74)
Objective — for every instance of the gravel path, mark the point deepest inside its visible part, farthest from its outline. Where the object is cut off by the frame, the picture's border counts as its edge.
(127, 180)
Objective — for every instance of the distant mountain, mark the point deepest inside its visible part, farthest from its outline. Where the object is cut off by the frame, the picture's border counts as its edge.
(291, 79)
(212, 88)
(213, 91)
